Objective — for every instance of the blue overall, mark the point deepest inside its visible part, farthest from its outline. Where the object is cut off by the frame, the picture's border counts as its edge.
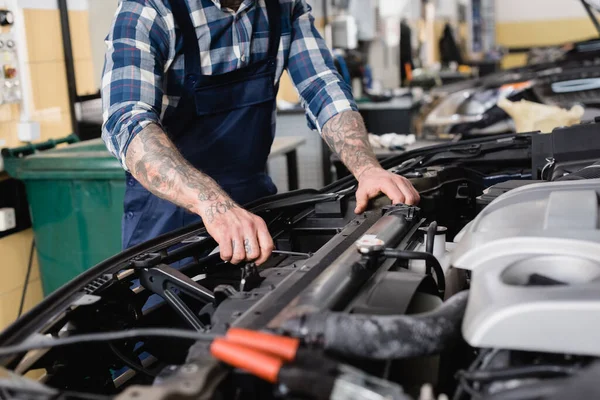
(223, 126)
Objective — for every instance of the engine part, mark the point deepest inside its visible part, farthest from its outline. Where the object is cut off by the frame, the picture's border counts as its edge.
(397, 293)
(430, 237)
(385, 337)
(435, 244)
(564, 147)
(432, 263)
(588, 172)
(333, 289)
(166, 281)
(197, 381)
(581, 386)
(532, 391)
(534, 254)
(279, 360)
(352, 384)
(493, 192)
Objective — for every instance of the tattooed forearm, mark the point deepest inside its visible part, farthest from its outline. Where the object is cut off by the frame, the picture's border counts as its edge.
(347, 136)
(216, 208)
(157, 164)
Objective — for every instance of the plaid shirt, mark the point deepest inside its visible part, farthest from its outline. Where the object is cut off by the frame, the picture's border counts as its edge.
(144, 70)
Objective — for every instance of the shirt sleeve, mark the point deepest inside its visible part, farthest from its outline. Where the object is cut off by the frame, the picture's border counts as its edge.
(323, 92)
(132, 81)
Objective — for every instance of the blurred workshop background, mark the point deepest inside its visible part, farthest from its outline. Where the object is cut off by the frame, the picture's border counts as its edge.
(396, 54)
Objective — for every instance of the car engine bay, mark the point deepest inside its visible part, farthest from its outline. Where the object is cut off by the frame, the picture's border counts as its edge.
(485, 290)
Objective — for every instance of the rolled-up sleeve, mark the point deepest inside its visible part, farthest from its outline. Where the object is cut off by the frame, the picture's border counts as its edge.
(132, 81)
(323, 92)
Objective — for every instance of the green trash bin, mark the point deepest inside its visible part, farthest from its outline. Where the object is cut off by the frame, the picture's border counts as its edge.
(75, 195)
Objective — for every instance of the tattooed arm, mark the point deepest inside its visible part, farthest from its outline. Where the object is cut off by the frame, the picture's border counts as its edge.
(157, 164)
(347, 136)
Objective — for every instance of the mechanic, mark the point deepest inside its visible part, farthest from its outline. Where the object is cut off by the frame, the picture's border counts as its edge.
(189, 91)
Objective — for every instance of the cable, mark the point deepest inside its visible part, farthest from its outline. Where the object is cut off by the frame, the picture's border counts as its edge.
(138, 367)
(464, 386)
(431, 232)
(438, 187)
(292, 253)
(549, 164)
(518, 372)
(27, 275)
(483, 356)
(429, 259)
(48, 343)
(591, 14)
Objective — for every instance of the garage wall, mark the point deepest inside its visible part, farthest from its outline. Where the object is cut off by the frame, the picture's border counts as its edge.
(50, 107)
(540, 23)
(103, 12)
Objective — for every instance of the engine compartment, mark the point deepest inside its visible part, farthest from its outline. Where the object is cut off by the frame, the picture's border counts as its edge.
(472, 294)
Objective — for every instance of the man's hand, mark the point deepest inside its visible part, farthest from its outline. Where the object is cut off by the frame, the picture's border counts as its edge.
(376, 180)
(157, 164)
(347, 136)
(241, 236)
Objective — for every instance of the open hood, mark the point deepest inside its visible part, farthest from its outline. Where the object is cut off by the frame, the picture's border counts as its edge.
(591, 5)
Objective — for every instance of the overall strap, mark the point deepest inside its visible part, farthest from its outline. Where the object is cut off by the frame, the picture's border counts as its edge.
(191, 49)
(274, 14)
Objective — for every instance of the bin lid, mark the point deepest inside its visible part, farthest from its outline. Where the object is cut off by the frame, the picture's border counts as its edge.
(83, 160)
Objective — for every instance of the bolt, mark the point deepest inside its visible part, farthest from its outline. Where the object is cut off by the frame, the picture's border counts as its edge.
(236, 314)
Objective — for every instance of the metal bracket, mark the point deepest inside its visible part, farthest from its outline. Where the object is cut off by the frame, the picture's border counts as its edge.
(251, 278)
(167, 282)
(195, 381)
(147, 260)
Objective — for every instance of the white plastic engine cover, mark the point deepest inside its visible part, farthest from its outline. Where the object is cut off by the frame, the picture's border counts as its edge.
(518, 249)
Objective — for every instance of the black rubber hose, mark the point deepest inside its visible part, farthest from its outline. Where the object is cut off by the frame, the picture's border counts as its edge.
(429, 242)
(50, 342)
(431, 261)
(134, 365)
(431, 232)
(385, 337)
